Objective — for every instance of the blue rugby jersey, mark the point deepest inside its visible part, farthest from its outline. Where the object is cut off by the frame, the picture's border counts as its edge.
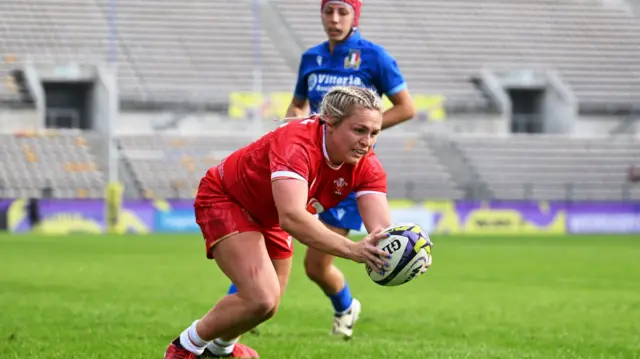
(354, 62)
(357, 62)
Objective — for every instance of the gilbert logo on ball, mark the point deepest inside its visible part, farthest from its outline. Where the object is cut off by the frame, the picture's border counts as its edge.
(410, 249)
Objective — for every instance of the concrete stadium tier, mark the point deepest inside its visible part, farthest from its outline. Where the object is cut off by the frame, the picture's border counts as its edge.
(59, 163)
(200, 50)
(553, 167)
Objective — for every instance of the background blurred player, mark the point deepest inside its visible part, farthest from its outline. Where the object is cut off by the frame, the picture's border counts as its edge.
(250, 205)
(345, 58)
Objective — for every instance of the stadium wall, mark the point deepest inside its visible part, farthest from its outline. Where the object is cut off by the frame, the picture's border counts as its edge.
(586, 125)
(437, 217)
(601, 125)
(185, 123)
(475, 123)
(16, 120)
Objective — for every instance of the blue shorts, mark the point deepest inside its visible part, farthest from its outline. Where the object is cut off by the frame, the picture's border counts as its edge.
(345, 215)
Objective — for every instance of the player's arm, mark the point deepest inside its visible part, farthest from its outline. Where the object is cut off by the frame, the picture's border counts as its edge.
(374, 210)
(371, 195)
(401, 111)
(392, 84)
(290, 197)
(299, 108)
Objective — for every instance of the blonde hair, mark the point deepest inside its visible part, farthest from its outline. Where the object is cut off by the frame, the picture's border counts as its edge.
(340, 102)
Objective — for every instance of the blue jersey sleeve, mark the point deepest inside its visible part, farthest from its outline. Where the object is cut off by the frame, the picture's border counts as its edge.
(390, 78)
(300, 91)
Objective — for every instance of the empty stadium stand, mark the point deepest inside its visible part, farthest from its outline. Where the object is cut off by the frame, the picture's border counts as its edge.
(552, 167)
(167, 51)
(59, 163)
(58, 31)
(514, 167)
(413, 169)
(386, 23)
(442, 44)
(172, 166)
(199, 50)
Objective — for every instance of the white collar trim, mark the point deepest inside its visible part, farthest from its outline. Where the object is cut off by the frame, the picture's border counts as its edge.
(324, 149)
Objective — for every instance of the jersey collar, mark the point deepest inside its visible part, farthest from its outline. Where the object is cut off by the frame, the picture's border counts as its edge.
(324, 150)
(348, 43)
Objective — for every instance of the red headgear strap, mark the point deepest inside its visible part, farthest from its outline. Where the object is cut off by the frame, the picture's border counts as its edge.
(356, 5)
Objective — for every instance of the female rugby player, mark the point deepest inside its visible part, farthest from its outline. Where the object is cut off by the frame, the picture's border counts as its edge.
(250, 205)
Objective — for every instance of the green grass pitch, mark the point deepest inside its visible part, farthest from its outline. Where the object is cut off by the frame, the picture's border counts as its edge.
(562, 297)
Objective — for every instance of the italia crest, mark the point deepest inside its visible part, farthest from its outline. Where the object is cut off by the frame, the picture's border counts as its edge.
(353, 60)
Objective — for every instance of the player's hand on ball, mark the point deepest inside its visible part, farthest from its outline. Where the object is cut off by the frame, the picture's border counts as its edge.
(428, 264)
(366, 251)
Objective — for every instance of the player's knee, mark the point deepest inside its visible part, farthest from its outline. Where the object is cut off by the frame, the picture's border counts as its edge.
(265, 305)
(316, 269)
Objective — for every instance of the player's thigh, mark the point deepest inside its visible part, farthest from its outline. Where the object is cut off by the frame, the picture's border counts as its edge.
(218, 216)
(222, 221)
(279, 245)
(243, 257)
(283, 270)
(235, 241)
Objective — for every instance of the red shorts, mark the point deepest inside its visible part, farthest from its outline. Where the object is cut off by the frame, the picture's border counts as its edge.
(220, 217)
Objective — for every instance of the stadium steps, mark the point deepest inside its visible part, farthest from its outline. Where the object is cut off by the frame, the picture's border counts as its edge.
(465, 175)
(95, 142)
(547, 167)
(131, 188)
(628, 125)
(286, 42)
(635, 7)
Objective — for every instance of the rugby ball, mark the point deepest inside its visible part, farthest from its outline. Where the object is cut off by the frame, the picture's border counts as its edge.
(410, 249)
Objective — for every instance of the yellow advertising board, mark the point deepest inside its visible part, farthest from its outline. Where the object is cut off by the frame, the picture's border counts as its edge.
(274, 105)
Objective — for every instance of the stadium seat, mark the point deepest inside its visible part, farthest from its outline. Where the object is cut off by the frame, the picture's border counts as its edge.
(552, 167)
(182, 161)
(31, 164)
(442, 44)
(413, 169)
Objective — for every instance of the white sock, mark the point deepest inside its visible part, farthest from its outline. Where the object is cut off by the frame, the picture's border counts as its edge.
(191, 341)
(222, 347)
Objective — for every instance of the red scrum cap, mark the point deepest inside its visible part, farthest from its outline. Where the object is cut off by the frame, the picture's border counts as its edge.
(356, 5)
